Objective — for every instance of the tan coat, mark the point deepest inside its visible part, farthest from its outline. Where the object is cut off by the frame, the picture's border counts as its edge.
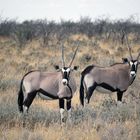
(49, 82)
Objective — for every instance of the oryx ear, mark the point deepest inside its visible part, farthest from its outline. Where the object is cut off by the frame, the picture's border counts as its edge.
(56, 67)
(75, 67)
(125, 60)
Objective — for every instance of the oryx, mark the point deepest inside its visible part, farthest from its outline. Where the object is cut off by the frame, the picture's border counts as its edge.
(49, 85)
(115, 78)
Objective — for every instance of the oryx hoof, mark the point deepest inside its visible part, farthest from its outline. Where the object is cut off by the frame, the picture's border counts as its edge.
(119, 103)
(86, 101)
(64, 116)
(63, 120)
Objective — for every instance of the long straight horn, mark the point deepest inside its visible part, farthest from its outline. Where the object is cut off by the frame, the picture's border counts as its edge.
(138, 56)
(63, 62)
(128, 46)
(73, 56)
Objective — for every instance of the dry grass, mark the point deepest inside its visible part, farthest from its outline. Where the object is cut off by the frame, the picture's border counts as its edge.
(101, 120)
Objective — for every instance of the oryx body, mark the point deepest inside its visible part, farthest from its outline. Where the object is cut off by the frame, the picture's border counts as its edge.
(115, 78)
(105, 79)
(48, 85)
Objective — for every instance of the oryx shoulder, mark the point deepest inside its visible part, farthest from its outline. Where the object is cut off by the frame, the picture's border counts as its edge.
(87, 70)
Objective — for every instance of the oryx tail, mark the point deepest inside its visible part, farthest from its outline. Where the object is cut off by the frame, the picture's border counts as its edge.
(20, 97)
(82, 90)
(84, 72)
(21, 94)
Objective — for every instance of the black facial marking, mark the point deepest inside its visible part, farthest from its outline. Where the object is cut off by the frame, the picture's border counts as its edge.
(133, 67)
(65, 74)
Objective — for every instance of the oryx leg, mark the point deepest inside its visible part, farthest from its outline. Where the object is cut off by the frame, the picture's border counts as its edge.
(90, 92)
(62, 111)
(28, 101)
(119, 97)
(69, 110)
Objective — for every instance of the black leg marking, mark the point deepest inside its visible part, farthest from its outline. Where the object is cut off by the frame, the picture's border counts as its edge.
(61, 103)
(68, 104)
(119, 95)
(90, 92)
(62, 111)
(29, 99)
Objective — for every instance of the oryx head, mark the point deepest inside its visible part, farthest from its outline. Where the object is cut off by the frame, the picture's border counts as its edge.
(133, 63)
(66, 71)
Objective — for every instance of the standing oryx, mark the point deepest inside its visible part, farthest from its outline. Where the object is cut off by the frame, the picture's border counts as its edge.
(56, 85)
(115, 78)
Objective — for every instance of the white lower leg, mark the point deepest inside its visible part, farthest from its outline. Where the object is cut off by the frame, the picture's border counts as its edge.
(86, 101)
(25, 109)
(119, 103)
(63, 115)
(69, 115)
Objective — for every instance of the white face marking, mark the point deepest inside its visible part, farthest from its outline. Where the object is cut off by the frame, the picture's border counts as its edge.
(135, 63)
(68, 70)
(132, 73)
(131, 63)
(63, 70)
(64, 81)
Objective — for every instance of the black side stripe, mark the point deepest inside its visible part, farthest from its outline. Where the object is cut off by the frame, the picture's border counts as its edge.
(47, 94)
(69, 88)
(106, 86)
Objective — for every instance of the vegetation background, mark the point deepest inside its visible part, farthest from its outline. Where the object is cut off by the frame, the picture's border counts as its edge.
(32, 45)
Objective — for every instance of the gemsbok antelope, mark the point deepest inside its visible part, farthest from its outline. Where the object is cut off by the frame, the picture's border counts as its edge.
(59, 85)
(115, 78)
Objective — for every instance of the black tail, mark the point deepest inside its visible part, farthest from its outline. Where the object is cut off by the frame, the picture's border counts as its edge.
(82, 90)
(20, 97)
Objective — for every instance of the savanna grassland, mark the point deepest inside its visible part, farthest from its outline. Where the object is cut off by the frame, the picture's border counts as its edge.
(100, 120)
